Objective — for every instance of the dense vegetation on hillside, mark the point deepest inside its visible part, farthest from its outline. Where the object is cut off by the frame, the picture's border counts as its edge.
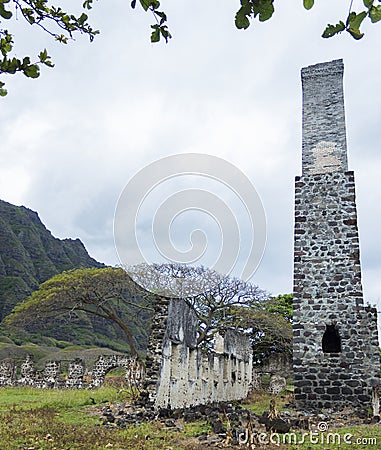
(29, 256)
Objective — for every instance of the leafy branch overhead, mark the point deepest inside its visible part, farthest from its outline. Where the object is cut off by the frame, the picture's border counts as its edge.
(62, 26)
(52, 20)
(264, 10)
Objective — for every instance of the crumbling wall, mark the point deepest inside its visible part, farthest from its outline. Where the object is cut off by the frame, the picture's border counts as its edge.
(187, 375)
(134, 369)
(276, 363)
(7, 372)
(279, 367)
(51, 375)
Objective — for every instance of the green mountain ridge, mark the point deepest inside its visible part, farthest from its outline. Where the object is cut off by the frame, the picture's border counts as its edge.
(30, 255)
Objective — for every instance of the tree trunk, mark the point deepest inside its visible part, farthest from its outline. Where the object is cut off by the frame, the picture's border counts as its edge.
(127, 332)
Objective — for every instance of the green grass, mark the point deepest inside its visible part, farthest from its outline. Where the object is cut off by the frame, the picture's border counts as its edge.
(259, 402)
(40, 419)
(47, 419)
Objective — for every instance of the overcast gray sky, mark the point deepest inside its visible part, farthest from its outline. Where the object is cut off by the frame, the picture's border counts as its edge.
(72, 139)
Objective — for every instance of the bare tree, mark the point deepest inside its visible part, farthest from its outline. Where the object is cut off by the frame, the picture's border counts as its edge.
(210, 293)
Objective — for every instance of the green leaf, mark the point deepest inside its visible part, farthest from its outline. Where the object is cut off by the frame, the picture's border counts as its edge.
(3, 12)
(155, 36)
(6, 44)
(25, 63)
(153, 4)
(375, 13)
(82, 19)
(165, 33)
(353, 24)
(368, 3)
(3, 92)
(355, 33)
(266, 10)
(32, 71)
(308, 4)
(355, 20)
(45, 58)
(241, 19)
(163, 17)
(11, 66)
(87, 4)
(331, 30)
(145, 4)
(61, 38)
(43, 55)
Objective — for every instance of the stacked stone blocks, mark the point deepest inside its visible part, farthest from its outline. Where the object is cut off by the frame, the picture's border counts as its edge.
(336, 358)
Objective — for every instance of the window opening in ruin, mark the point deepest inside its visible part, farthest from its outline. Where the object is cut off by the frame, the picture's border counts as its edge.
(331, 340)
(115, 377)
(234, 368)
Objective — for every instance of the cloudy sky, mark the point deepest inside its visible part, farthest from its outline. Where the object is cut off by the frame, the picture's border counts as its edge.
(72, 139)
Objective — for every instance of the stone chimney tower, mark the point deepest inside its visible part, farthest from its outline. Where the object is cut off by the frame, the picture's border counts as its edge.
(336, 359)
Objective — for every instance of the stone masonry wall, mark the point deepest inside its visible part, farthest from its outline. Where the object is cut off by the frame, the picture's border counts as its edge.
(336, 359)
(188, 376)
(51, 376)
(323, 120)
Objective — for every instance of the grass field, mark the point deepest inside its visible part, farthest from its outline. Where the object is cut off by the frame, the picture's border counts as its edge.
(36, 419)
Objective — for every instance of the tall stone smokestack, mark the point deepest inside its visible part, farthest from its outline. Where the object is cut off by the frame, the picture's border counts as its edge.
(323, 120)
(336, 360)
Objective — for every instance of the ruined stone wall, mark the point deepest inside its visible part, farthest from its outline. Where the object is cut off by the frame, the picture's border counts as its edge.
(276, 364)
(336, 360)
(279, 367)
(188, 376)
(51, 376)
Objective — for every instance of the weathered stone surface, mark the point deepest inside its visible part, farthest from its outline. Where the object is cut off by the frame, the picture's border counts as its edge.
(51, 376)
(324, 136)
(335, 335)
(179, 374)
(276, 365)
(277, 384)
(7, 372)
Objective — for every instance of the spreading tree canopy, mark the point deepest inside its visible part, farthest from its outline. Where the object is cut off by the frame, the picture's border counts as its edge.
(101, 292)
(269, 325)
(62, 26)
(213, 295)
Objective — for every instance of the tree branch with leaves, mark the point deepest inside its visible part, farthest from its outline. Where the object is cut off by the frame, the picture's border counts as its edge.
(263, 10)
(53, 20)
(63, 26)
(100, 292)
(268, 325)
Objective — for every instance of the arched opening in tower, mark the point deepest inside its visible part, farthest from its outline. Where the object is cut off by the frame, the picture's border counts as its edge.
(331, 342)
